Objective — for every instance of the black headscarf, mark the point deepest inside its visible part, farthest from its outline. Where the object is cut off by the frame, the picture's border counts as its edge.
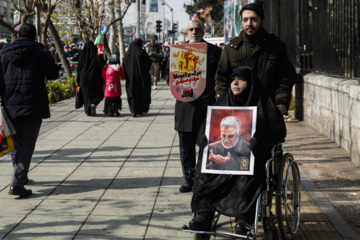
(244, 73)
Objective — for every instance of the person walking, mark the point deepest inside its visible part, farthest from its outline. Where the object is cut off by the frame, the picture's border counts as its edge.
(24, 66)
(89, 72)
(112, 74)
(263, 52)
(156, 54)
(137, 64)
(190, 115)
(167, 64)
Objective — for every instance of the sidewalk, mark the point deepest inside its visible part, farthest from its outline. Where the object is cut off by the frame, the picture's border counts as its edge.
(118, 178)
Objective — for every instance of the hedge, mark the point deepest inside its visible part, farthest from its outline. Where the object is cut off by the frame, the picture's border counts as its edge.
(59, 90)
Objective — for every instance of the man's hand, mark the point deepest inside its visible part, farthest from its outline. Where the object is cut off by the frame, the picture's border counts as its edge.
(282, 108)
(185, 93)
(218, 159)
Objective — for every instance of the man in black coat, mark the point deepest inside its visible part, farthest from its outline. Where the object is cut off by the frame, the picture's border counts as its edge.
(24, 67)
(263, 52)
(190, 115)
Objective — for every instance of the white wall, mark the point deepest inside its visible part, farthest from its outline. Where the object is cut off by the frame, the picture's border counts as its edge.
(332, 107)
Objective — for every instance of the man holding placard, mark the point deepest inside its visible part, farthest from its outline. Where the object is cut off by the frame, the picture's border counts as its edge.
(192, 72)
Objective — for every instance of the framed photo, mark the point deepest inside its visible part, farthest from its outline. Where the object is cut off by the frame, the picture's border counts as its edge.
(229, 130)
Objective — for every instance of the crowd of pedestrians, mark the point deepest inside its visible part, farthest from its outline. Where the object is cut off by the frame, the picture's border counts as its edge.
(253, 69)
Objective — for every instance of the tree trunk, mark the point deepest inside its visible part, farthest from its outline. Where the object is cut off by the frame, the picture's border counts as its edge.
(45, 28)
(60, 49)
(112, 37)
(120, 32)
(106, 47)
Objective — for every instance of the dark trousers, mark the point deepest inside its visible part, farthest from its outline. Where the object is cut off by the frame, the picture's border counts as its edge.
(198, 205)
(187, 142)
(27, 132)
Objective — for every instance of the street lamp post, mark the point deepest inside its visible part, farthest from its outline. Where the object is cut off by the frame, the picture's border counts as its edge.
(171, 10)
(137, 31)
(138, 19)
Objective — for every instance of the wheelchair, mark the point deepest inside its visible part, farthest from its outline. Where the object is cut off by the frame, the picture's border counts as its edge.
(280, 221)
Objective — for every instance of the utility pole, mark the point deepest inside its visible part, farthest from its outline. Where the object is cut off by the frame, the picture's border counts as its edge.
(163, 38)
(138, 19)
(171, 10)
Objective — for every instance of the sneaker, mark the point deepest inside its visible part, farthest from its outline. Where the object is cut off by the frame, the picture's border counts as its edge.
(20, 191)
(93, 110)
(155, 87)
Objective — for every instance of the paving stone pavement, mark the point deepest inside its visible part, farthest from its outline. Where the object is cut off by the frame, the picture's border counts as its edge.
(118, 178)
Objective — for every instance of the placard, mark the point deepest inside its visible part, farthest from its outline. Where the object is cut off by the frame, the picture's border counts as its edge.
(229, 130)
(188, 70)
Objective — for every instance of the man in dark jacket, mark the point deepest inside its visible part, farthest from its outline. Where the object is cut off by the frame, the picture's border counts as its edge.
(190, 115)
(24, 66)
(263, 52)
(156, 54)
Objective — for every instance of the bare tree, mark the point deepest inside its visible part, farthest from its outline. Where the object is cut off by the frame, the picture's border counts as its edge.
(113, 30)
(95, 13)
(120, 32)
(26, 9)
(47, 8)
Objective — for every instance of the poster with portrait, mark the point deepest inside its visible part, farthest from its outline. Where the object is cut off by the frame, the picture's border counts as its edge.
(229, 130)
(188, 70)
(153, 6)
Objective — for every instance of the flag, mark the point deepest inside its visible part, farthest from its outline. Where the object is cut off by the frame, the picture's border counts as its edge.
(100, 41)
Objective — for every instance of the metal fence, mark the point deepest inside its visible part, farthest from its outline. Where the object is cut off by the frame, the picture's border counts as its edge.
(321, 35)
(336, 37)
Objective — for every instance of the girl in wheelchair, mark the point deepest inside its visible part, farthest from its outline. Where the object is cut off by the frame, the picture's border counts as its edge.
(236, 195)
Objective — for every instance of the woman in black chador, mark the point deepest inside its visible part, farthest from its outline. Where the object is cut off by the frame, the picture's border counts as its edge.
(235, 195)
(89, 77)
(137, 65)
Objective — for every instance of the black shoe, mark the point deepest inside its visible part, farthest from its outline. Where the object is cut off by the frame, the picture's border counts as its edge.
(202, 221)
(92, 110)
(186, 187)
(21, 191)
(242, 227)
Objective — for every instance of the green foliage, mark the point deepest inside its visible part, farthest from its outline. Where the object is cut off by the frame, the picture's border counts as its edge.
(217, 13)
(61, 21)
(61, 89)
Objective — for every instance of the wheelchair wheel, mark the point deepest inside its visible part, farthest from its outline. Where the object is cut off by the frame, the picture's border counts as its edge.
(288, 197)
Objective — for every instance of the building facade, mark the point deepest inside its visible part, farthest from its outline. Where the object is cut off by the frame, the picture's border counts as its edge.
(7, 12)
